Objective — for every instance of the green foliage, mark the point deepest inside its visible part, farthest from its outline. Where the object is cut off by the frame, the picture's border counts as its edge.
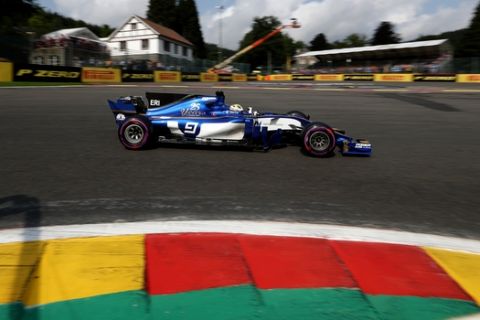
(319, 43)
(385, 34)
(181, 16)
(351, 41)
(212, 52)
(187, 16)
(14, 37)
(163, 12)
(470, 45)
(455, 38)
(274, 50)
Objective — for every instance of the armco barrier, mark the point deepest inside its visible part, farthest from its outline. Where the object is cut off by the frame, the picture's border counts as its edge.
(101, 75)
(393, 77)
(6, 72)
(167, 76)
(468, 78)
(40, 73)
(329, 77)
(137, 76)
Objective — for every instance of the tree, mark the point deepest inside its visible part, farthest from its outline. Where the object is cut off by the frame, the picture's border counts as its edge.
(319, 43)
(351, 41)
(385, 34)
(163, 12)
(14, 38)
(270, 52)
(470, 46)
(189, 27)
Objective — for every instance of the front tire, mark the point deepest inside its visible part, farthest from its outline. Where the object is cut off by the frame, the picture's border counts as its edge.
(134, 133)
(318, 140)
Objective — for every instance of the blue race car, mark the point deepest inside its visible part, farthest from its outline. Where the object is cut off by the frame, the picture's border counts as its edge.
(208, 120)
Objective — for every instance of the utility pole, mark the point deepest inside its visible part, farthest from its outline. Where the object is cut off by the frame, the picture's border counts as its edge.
(220, 31)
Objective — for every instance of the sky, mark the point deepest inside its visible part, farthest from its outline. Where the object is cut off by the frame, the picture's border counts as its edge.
(335, 18)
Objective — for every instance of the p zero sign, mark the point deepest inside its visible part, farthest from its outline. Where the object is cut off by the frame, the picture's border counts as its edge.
(137, 76)
(32, 72)
(101, 75)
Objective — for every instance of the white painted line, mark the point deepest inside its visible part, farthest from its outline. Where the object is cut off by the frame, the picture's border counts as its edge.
(173, 86)
(244, 227)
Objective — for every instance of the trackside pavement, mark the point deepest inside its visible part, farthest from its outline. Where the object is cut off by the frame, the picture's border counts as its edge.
(192, 270)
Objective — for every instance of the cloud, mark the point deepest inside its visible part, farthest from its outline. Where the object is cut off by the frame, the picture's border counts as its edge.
(338, 18)
(111, 12)
(335, 18)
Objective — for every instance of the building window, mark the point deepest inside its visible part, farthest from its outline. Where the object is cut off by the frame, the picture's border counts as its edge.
(166, 45)
(144, 44)
(185, 51)
(53, 60)
(176, 48)
(134, 26)
(123, 45)
(38, 60)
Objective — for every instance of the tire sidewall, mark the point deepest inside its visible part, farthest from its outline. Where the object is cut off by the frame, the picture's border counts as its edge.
(306, 140)
(146, 133)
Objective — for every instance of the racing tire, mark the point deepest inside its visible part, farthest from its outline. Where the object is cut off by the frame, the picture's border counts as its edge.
(134, 133)
(318, 140)
(298, 114)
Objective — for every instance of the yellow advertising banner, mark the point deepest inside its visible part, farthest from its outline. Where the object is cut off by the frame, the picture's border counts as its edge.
(329, 77)
(278, 77)
(101, 75)
(208, 77)
(6, 72)
(393, 77)
(167, 76)
(239, 77)
(468, 78)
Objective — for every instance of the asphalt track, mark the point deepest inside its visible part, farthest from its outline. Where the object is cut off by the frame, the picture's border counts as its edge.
(61, 162)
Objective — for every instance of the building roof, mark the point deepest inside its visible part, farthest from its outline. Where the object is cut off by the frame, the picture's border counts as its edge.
(165, 32)
(389, 47)
(157, 29)
(82, 32)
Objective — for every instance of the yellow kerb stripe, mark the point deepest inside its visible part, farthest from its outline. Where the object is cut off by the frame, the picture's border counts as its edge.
(71, 269)
(464, 268)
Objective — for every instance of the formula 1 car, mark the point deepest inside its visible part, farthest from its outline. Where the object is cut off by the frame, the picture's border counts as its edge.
(208, 120)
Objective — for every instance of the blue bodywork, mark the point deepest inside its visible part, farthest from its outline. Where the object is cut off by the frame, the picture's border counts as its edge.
(200, 119)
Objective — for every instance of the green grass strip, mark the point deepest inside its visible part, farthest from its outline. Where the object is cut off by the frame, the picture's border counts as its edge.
(395, 307)
(244, 303)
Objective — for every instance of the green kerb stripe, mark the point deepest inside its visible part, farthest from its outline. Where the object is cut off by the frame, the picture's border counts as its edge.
(244, 302)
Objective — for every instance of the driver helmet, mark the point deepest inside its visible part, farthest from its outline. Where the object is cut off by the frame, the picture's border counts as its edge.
(236, 107)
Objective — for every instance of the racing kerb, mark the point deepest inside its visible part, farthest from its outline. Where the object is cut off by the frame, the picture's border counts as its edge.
(234, 270)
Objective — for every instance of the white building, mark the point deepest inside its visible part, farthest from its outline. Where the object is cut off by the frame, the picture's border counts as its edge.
(140, 39)
(73, 47)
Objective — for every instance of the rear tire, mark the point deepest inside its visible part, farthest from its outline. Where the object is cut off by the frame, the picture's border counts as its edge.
(318, 140)
(134, 133)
